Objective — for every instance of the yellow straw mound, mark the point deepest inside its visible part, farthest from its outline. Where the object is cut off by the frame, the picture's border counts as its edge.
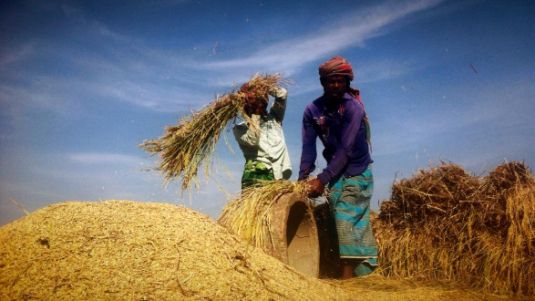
(123, 250)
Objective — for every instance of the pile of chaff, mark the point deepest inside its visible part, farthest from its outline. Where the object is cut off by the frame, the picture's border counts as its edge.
(446, 224)
(184, 147)
(124, 250)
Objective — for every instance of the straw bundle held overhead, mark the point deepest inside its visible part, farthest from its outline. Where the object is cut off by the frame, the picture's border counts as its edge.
(183, 148)
(249, 215)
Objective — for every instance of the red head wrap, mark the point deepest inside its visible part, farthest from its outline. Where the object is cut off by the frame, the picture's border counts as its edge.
(336, 66)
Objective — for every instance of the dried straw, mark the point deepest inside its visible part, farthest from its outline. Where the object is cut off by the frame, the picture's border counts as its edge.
(438, 191)
(445, 224)
(249, 216)
(183, 148)
(123, 250)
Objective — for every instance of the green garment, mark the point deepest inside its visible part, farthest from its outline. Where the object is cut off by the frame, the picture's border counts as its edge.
(254, 172)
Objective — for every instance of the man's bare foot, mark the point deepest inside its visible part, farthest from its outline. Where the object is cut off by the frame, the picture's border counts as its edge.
(347, 270)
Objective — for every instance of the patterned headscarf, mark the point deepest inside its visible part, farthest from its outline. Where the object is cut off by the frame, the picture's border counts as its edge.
(336, 66)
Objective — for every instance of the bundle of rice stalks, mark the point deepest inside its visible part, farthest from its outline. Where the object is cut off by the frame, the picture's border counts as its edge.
(465, 244)
(497, 187)
(123, 250)
(185, 147)
(249, 216)
(507, 176)
(439, 192)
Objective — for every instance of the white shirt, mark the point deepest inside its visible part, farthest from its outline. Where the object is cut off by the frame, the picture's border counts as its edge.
(267, 145)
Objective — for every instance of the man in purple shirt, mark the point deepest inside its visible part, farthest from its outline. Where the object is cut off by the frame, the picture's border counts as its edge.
(339, 119)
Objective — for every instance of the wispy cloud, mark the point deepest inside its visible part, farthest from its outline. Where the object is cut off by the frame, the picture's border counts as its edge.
(127, 70)
(385, 69)
(79, 18)
(158, 79)
(43, 93)
(140, 82)
(476, 110)
(290, 55)
(9, 56)
(105, 159)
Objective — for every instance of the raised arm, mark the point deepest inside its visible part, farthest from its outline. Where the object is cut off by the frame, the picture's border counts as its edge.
(279, 106)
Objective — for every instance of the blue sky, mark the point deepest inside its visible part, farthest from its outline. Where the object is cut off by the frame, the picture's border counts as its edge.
(82, 83)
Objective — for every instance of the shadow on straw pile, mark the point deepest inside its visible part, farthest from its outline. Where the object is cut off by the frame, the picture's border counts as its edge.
(446, 224)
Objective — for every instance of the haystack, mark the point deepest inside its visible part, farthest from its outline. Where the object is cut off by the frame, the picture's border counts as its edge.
(438, 192)
(123, 250)
(497, 187)
(446, 224)
(183, 148)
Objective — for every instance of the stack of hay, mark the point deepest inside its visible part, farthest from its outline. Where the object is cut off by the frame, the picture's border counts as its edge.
(446, 224)
(437, 193)
(120, 250)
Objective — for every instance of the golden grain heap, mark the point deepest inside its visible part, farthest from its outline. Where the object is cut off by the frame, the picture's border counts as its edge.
(124, 250)
(249, 216)
(446, 224)
(184, 147)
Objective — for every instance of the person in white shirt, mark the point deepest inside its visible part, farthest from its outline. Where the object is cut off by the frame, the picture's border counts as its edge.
(265, 151)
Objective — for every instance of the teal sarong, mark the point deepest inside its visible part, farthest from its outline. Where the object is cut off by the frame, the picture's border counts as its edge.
(349, 200)
(254, 172)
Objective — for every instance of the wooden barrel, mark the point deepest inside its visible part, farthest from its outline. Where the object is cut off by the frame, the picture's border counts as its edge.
(295, 235)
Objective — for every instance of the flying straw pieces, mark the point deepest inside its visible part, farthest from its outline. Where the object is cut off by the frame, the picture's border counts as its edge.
(183, 148)
(446, 224)
(249, 216)
(124, 250)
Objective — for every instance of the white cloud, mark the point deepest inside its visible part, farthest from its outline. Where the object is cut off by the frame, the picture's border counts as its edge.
(290, 55)
(106, 159)
(383, 70)
(79, 17)
(166, 81)
(11, 56)
(479, 111)
(37, 92)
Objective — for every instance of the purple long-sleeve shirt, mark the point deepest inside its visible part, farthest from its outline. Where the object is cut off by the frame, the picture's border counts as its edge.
(341, 128)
